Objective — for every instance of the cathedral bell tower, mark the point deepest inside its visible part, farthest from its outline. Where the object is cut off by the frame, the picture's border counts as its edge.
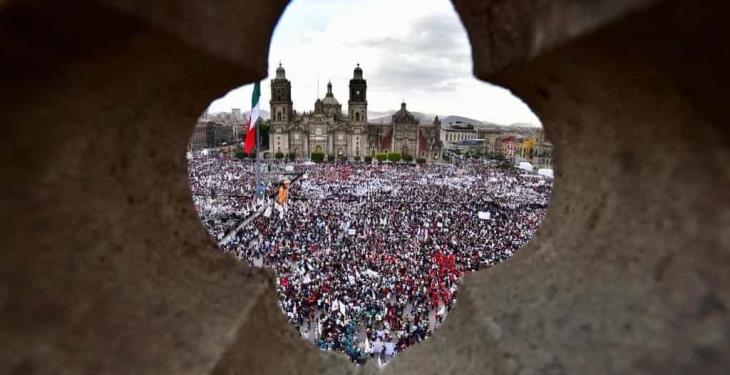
(281, 103)
(358, 104)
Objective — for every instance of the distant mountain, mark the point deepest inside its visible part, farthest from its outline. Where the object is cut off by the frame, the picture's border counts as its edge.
(376, 117)
(425, 118)
(385, 117)
(452, 119)
(376, 114)
(523, 125)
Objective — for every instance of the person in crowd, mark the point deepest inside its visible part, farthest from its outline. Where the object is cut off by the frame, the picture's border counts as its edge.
(368, 257)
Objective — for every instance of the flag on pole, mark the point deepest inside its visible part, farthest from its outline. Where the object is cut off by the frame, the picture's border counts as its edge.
(251, 131)
(284, 193)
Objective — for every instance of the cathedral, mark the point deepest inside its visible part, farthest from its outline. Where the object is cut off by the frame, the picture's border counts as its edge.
(328, 130)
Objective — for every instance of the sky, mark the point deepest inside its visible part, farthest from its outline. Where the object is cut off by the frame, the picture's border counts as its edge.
(416, 51)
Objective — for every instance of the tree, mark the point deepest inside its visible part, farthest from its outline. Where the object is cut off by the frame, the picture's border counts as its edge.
(279, 155)
(292, 156)
(239, 154)
(356, 158)
(317, 157)
(421, 160)
(381, 157)
(330, 157)
(407, 158)
(394, 156)
(264, 127)
(505, 164)
(368, 159)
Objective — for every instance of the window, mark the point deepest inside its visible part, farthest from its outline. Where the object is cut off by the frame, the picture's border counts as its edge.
(357, 116)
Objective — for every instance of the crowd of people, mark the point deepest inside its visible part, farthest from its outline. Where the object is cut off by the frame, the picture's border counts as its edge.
(222, 191)
(368, 257)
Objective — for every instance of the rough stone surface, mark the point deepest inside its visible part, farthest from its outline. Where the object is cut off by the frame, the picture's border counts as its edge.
(628, 272)
(104, 267)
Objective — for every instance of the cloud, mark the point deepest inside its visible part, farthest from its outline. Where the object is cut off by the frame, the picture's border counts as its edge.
(432, 35)
(418, 53)
(432, 55)
(404, 75)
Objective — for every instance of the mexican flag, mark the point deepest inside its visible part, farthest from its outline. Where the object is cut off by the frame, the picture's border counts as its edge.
(251, 131)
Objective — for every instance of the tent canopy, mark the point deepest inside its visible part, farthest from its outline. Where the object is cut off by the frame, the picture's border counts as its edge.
(547, 172)
(525, 166)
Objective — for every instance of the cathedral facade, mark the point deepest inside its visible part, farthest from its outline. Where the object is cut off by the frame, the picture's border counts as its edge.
(328, 130)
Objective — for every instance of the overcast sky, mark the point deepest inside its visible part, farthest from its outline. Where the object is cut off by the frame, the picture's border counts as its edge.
(416, 51)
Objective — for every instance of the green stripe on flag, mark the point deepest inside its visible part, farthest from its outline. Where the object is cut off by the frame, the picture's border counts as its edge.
(256, 94)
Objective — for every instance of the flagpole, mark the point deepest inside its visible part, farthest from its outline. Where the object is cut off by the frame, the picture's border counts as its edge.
(258, 162)
(253, 140)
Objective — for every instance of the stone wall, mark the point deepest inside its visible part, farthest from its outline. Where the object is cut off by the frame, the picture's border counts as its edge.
(104, 267)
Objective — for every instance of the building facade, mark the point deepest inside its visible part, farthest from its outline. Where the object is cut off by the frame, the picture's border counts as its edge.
(328, 130)
(210, 134)
(533, 148)
(458, 131)
(543, 151)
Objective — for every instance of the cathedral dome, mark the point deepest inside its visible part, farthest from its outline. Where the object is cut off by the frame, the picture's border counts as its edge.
(318, 107)
(329, 99)
(404, 117)
(358, 72)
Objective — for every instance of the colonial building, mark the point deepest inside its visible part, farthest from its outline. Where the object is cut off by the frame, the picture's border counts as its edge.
(328, 130)
(210, 134)
(491, 140)
(458, 131)
(543, 151)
